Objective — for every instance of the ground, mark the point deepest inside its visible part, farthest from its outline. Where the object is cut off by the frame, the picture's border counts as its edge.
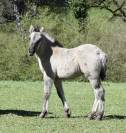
(20, 105)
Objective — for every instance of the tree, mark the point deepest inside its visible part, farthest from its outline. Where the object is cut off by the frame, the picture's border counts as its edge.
(116, 7)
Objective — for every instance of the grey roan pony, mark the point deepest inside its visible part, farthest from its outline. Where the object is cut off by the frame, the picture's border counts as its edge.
(57, 63)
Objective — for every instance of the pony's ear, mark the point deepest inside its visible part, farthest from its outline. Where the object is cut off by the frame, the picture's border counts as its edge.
(31, 29)
(41, 29)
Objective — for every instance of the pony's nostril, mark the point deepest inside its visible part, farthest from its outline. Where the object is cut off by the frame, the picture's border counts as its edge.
(31, 51)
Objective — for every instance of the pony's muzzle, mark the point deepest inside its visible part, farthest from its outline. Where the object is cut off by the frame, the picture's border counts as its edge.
(31, 52)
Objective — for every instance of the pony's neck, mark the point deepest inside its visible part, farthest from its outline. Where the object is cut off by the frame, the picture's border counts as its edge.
(44, 50)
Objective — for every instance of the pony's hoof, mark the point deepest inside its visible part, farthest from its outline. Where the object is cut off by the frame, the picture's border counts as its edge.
(67, 113)
(95, 116)
(99, 116)
(92, 116)
(43, 114)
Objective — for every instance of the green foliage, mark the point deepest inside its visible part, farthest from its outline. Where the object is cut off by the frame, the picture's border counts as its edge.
(14, 61)
(6, 12)
(20, 105)
(80, 10)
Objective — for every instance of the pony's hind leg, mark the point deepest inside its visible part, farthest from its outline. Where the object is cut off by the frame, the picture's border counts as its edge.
(60, 92)
(47, 90)
(98, 106)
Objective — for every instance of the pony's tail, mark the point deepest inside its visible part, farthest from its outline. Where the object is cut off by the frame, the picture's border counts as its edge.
(103, 58)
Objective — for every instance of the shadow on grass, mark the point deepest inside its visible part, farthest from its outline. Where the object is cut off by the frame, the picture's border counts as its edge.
(107, 117)
(20, 112)
(117, 117)
(110, 117)
(25, 113)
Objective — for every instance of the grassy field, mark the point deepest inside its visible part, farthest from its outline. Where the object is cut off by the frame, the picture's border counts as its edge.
(20, 105)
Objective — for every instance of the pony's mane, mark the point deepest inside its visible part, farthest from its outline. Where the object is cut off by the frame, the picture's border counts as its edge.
(52, 40)
(49, 37)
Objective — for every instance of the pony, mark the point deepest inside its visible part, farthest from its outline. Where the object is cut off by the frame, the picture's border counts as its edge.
(58, 63)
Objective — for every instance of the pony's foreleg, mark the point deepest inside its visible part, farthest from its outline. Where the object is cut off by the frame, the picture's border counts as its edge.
(60, 92)
(47, 90)
(98, 106)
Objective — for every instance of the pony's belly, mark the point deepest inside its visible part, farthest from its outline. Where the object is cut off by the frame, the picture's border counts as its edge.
(68, 73)
(69, 76)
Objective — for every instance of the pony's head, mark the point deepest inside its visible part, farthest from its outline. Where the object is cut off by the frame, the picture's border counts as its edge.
(34, 38)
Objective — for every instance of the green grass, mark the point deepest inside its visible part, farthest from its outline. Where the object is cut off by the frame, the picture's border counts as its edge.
(20, 105)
